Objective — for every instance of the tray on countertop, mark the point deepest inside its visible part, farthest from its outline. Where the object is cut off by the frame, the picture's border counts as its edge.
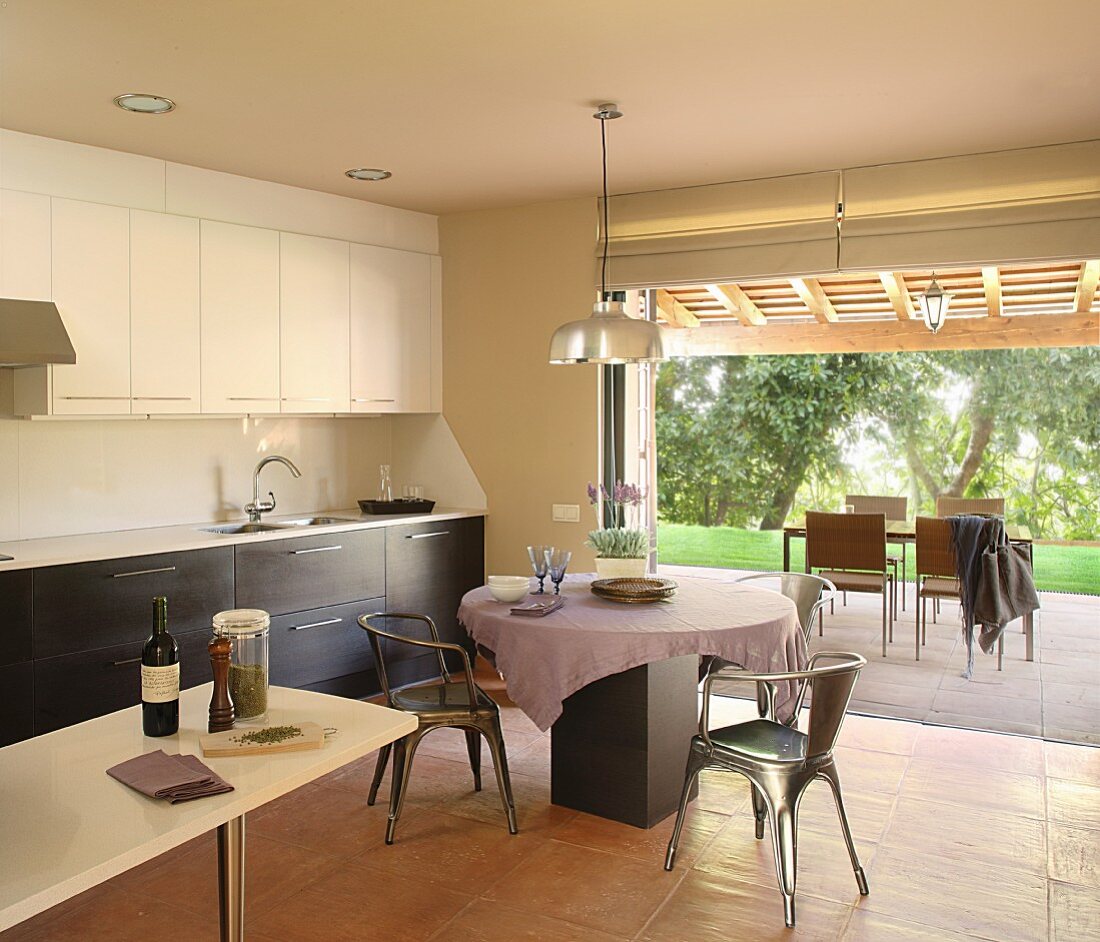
(399, 506)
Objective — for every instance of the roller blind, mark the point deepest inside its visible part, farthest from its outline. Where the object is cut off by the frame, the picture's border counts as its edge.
(725, 231)
(1034, 204)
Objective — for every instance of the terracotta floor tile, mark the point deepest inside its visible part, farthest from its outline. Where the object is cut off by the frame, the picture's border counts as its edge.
(1074, 855)
(360, 902)
(708, 907)
(974, 786)
(533, 759)
(331, 821)
(1074, 913)
(34, 928)
(450, 851)
(960, 896)
(869, 812)
(965, 746)
(590, 888)
(273, 870)
(824, 870)
(432, 781)
(491, 922)
(649, 844)
(862, 771)
(1073, 803)
(534, 813)
(451, 744)
(861, 732)
(965, 833)
(114, 916)
(722, 792)
(867, 926)
(1073, 762)
(513, 718)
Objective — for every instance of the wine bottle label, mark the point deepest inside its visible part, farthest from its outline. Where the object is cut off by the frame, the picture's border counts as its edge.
(160, 684)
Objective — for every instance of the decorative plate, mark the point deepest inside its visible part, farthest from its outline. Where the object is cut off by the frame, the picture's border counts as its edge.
(634, 590)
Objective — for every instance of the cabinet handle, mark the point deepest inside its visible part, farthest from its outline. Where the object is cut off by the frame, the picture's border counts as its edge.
(426, 536)
(96, 398)
(142, 572)
(317, 624)
(129, 660)
(162, 399)
(315, 549)
(251, 399)
(373, 400)
(306, 399)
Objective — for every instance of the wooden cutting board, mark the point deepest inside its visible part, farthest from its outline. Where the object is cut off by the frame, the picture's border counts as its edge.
(229, 743)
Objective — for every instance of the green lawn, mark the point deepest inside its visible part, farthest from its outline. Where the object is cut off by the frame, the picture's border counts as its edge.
(1057, 568)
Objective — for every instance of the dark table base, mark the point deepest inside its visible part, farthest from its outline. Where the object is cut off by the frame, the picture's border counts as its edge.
(620, 747)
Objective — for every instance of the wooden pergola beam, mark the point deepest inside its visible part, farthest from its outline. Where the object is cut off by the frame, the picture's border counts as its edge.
(991, 281)
(959, 333)
(739, 304)
(814, 297)
(674, 312)
(898, 293)
(1086, 286)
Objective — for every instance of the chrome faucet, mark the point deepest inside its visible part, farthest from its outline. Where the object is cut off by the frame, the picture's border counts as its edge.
(258, 507)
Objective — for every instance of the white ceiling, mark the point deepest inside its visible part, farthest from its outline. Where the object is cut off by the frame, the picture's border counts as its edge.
(475, 103)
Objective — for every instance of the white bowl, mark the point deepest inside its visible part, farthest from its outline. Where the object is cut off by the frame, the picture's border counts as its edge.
(509, 588)
(509, 580)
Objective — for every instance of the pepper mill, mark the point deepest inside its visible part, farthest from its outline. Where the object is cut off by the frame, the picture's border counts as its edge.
(221, 707)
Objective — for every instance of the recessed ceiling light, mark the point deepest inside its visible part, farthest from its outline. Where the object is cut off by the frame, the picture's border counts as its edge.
(367, 173)
(145, 104)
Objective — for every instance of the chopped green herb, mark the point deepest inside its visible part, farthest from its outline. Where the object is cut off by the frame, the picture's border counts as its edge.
(248, 689)
(268, 735)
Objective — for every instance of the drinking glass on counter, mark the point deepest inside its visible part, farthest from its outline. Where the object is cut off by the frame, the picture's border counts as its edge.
(539, 556)
(557, 561)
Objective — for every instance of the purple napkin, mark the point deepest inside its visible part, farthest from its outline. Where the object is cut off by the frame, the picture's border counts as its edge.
(173, 778)
(538, 609)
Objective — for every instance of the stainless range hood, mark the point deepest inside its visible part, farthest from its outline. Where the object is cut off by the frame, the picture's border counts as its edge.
(32, 334)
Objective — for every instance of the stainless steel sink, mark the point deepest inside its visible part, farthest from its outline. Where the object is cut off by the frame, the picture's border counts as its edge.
(235, 528)
(315, 521)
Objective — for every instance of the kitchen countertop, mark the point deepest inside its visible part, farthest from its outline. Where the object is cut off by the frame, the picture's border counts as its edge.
(117, 544)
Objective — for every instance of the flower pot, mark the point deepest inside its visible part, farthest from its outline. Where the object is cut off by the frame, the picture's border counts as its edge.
(608, 568)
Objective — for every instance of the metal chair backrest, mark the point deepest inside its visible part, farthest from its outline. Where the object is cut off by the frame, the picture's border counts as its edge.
(949, 506)
(832, 688)
(895, 508)
(935, 551)
(846, 541)
(808, 592)
(378, 638)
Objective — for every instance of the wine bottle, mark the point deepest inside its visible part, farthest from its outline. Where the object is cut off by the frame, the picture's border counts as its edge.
(160, 677)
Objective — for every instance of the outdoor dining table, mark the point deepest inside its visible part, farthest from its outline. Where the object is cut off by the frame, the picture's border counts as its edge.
(617, 684)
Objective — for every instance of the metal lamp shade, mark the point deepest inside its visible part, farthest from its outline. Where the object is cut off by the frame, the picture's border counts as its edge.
(933, 306)
(608, 336)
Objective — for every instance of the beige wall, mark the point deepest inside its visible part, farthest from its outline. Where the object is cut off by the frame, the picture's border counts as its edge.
(529, 430)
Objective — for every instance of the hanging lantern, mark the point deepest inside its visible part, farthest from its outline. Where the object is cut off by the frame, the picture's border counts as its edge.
(933, 305)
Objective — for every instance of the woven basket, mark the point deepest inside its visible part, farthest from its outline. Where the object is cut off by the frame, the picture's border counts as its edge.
(634, 590)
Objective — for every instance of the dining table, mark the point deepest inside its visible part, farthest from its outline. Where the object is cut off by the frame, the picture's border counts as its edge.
(617, 684)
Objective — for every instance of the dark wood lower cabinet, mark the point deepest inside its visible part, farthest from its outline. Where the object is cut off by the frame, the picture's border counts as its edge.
(16, 702)
(77, 687)
(324, 644)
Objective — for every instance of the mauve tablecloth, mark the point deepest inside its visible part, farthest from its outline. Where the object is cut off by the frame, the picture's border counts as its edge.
(545, 660)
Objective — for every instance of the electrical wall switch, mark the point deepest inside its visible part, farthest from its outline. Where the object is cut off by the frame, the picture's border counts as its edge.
(567, 513)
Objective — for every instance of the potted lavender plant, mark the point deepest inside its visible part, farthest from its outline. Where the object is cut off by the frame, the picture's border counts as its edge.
(622, 549)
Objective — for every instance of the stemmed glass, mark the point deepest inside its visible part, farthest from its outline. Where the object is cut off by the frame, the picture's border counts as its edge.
(557, 561)
(539, 556)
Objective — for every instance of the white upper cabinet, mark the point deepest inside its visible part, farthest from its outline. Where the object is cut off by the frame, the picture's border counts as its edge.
(91, 287)
(313, 301)
(240, 318)
(25, 270)
(391, 356)
(164, 313)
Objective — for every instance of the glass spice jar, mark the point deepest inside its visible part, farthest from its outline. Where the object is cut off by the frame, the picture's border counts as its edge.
(248, 629)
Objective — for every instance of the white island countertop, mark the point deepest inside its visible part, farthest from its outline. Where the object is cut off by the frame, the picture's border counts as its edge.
(65, 825)
(117, 544)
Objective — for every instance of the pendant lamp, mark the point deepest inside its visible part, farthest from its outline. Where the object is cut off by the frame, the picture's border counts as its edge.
(933, 305)
(609, 335)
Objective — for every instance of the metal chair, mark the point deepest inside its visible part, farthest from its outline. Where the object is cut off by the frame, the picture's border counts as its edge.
(895, 508)
(950, 506)
(850, 551)
(780, 762)
(809, 593)
(459, 704)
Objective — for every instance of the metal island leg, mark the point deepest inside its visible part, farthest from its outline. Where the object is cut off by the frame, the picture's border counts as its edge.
(231, 879)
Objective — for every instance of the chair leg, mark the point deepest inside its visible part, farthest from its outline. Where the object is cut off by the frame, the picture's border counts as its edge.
(829, 773)
(904, 573)
(473, 747)
(760, 811)
(694, 767)
(403, 751)
(884, 606)
(916, 626)
(784, 822)
(893, 604)
(379, 771)
(495, 735)
(821, 622)
(1001, 652)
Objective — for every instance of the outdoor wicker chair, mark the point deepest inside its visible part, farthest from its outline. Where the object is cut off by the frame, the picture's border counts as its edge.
(779, 761)
(457, 704)
(895, 508)
(850, 551)
(949, 506)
